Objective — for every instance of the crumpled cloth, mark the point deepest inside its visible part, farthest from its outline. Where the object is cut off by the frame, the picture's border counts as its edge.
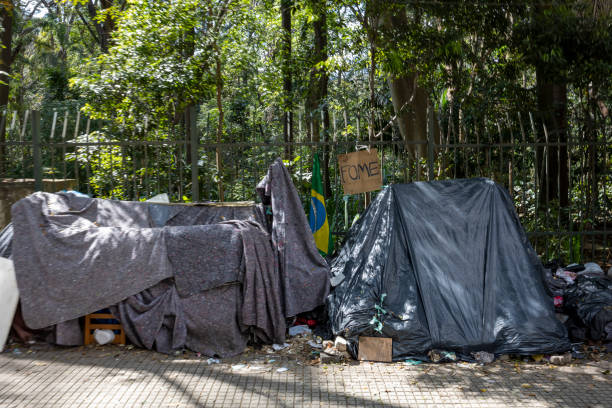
(305, 272)
(174, 282)
(204, 256)
(261, 281)
(163, 318)
(153, 318)
(76, 255)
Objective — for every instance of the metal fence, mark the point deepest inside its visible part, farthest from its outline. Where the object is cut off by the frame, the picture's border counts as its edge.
(107, 162)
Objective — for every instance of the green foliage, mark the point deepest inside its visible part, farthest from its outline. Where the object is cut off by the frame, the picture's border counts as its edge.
(156, 68)
(105, 163)
(476, 60)
(567, 41)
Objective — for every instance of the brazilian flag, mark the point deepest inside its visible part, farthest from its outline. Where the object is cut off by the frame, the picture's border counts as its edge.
(319, 225)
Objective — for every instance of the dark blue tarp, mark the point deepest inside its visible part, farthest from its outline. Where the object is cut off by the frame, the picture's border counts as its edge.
(443, 265)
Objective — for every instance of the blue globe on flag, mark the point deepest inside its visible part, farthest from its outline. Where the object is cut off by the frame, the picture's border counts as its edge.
(317, 214)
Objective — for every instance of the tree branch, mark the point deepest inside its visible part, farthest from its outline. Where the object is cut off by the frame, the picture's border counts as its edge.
(34, 10)
(19, 46)
(91, 31)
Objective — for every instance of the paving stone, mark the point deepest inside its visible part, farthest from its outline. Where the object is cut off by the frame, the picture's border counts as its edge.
(110, 376)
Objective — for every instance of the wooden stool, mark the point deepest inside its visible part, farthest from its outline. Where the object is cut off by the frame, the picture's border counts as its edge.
(90, 327)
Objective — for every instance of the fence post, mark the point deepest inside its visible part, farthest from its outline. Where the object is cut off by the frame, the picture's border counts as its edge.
(3, 140)
(38, 184)
(430, 143)
(195, 143)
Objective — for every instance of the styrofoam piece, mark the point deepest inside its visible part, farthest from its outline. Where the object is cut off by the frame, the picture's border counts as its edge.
(9, 296)
(104, 336)
(278, 347)
(160, 198)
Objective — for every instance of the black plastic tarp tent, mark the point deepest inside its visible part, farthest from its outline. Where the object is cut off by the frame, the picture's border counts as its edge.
(443, 265)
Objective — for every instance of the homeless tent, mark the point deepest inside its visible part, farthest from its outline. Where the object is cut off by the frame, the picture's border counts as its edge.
(201, 277)
(443, 265)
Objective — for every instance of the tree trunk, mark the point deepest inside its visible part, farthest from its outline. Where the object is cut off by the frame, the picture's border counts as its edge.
(412, 119)
(321, 35)
(317, 93)
(6, 51)
(593, 114)
(286, 9)
(371, 82)
(552, 161)
(5, 66)
(219, 84)
(104, 28)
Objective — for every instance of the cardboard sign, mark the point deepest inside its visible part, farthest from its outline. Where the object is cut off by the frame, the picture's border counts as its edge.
(360, 171)
(375, 349)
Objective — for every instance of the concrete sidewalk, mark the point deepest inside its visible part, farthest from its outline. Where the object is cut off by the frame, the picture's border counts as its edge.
(112, 376)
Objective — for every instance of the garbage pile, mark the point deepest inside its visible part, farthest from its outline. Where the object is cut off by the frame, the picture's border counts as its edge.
(583, 300)
(306, 346)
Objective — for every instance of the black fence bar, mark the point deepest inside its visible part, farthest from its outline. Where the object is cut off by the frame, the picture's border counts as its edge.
(194, 146)
(397, 143)
(182, 164)
(36, 154)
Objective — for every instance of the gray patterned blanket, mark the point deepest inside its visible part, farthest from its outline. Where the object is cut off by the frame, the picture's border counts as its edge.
(201, 277)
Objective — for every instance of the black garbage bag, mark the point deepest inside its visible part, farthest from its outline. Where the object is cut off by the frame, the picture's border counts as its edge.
(589, 303)
(554, 286)
(443, 265)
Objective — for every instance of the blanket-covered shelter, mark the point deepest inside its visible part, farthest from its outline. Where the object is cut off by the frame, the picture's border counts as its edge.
(443, 265)
(204, 277)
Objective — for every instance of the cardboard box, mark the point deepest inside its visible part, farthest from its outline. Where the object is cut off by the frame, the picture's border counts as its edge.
(375, 349)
